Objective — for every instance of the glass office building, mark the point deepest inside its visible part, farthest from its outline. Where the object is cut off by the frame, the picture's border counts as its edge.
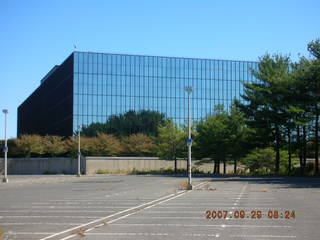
(102, 84)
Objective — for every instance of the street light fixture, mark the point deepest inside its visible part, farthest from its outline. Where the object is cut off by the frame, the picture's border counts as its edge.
(79, 151)
(5, 149)
(189, 141)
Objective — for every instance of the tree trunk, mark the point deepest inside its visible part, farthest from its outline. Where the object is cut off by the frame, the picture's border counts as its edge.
(235, 166)
(316, 150)
(304, 155)
(224, 167)
(289, 150)
(175, 157)
(300, 150)
(175, 164)
(216, 169)
(277, 163)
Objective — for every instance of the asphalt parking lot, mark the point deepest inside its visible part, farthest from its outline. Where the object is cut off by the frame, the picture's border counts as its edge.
(155, 207)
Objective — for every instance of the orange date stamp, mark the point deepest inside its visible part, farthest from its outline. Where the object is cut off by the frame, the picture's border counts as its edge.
(254, 214)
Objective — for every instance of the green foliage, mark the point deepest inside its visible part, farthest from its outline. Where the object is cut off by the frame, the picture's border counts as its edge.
(131, 122)
(223, 136)
(307, 81)
(30, 145)
(107, 145)
(103, 145)
(53, 146)
(49, 172)
(240, 136)
(278, 119)
(266, 110)
(138, 145)
(212, 135)
(314, 48)
(170, 141)
(259, 159)
(262, 161)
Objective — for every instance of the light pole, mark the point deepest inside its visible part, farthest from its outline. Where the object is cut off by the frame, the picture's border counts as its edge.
(189, 141)
(5, 149)
(79, 151)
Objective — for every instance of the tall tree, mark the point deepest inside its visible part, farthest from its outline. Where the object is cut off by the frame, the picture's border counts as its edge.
(313, 77)
(212, 138)
(264, 108)
(171, 142)
(300, 102)
(240, 137)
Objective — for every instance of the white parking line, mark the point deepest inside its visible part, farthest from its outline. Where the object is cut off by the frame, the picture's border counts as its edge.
(40, 223)
(262, 236)
(55, 211)
(43, 216)
(236, 203)
(200, 225)
(102, 219)
(32, 233)
(157, 202)
(201, 208)
(221, 204)
(61, 207)
(154, 234)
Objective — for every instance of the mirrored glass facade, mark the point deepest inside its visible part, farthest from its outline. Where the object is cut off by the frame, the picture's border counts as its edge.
(106, 84)
(97, 85)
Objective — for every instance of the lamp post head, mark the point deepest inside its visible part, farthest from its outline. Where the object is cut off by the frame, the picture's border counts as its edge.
(5, 111)
(188, 89)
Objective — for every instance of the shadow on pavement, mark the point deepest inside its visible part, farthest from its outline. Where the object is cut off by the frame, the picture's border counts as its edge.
(284, 182)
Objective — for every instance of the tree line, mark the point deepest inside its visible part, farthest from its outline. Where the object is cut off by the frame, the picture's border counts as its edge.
(274, 129)
(101, 145)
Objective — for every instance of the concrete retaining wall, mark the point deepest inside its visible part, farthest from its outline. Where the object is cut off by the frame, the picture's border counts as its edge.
(42, 165)
(127, 164)
(90, 165)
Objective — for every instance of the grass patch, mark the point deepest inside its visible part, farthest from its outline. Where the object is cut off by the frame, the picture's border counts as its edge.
(106, 171)
(166, 171)
(207, 187)
(183, 185)
(49, 172)
(80, 232)
(161, 171)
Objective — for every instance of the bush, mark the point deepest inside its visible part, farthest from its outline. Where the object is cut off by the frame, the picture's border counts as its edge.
(30, 145)
(53, 146)
(107, 145)
(259, 160)
(138, 145)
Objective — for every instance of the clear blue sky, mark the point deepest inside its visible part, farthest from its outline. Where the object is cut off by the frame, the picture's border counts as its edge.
(37, 34)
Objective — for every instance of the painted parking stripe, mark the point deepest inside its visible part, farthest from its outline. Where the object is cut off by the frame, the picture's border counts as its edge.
(32, 233)
(154, 234)
(55, 211)
(43, 216)
(262, 236)
(148, 205)
(98, 221)
(202, 225)
(39, 224)
(101, 219)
